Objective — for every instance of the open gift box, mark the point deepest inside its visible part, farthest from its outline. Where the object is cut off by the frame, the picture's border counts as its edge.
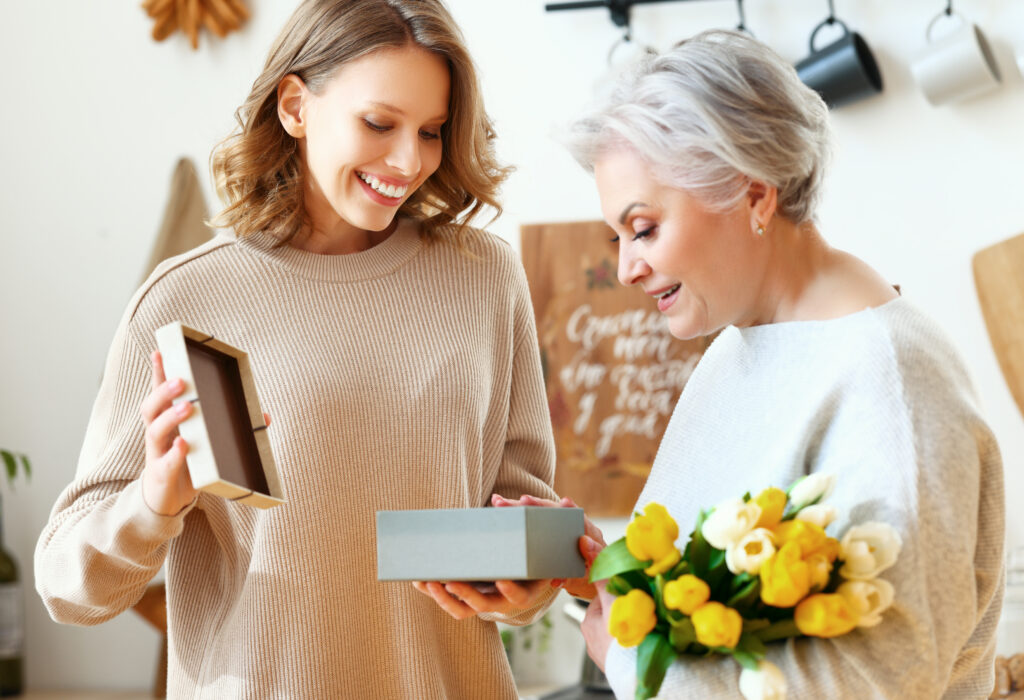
(479, 544)
(229, 452)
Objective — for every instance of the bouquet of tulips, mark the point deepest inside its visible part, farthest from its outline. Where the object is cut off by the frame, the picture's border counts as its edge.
(755, 570)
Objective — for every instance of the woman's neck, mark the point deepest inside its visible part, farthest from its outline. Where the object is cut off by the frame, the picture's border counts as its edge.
(342, 240)
(808, 280)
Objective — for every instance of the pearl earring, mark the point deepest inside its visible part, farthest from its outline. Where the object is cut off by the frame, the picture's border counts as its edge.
(760, 230)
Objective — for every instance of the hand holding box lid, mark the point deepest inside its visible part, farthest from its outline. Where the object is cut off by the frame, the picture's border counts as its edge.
(229, 452)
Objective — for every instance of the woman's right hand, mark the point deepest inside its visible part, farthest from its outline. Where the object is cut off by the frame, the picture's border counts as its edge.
(166, 484)
(590, 544)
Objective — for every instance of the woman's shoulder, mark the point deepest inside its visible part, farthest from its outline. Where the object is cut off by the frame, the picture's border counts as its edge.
(478, 241)
(180, 277)
(926, 355)
(478, 251)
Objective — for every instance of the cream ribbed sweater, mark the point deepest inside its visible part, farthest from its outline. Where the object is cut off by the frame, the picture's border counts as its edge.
(881, 400)
(404, 376)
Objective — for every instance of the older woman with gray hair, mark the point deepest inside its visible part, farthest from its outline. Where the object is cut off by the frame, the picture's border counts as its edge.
(709, 160)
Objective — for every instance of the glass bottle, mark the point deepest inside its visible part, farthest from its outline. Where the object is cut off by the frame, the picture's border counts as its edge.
(12, 623)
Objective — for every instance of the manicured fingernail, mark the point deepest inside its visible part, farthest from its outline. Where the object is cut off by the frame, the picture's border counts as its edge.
(182, 408)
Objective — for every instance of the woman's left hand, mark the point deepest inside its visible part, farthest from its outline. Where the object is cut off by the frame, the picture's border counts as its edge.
(462, 600)
(595, 625)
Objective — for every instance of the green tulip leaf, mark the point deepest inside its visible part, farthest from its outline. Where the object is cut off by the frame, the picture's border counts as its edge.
(782, 629)
(746, 596)
(698, 551)
(682, 634)
(615, 559)
(653, 658)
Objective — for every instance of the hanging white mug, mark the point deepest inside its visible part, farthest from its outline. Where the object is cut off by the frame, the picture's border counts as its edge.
(955, 67)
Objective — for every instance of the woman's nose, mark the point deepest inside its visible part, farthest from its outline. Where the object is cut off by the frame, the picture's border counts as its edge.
(405, 156)
(632, 268)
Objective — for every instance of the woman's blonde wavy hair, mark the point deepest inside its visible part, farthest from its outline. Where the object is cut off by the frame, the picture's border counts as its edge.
(258, 169)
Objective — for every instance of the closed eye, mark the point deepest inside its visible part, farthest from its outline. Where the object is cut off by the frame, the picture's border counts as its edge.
(379, 128)
(644, 234)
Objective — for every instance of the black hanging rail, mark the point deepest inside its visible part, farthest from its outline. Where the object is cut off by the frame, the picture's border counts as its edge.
(619, 8)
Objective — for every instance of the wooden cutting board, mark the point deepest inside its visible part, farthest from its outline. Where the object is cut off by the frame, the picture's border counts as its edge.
(999, 279)
(612, 370)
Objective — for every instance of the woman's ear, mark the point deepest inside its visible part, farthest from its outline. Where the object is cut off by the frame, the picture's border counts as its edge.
(763, 200)
(292, 99)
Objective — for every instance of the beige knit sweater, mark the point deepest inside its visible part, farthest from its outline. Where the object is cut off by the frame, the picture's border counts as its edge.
(404, 376)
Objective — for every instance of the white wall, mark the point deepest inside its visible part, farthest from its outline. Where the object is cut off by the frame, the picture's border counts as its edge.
(95, 115)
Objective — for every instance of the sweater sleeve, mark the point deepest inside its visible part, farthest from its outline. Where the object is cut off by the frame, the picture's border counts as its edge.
(909, 450)
(528, 464)
(102, 543)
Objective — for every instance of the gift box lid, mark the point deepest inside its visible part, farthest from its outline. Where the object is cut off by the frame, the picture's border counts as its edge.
(229, 452)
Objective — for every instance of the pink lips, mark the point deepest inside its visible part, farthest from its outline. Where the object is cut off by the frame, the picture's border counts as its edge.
(377, 196)
(665, 302)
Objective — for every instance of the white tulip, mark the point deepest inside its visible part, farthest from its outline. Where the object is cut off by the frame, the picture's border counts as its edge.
(868, 549)
(765, 683)
(819, 514)
(729, 522)
(868, 598)
(753, 549)
(811, 489)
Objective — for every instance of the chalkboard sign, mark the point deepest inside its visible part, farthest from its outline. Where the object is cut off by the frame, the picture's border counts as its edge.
(613, 372)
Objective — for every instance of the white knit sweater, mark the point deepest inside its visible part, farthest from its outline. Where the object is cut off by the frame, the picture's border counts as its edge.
(880, 399)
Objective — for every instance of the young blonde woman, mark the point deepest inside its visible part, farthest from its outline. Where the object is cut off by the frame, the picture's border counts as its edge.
(394, 348)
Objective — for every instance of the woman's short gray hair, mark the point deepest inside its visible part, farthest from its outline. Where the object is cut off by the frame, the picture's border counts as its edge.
(716, 111)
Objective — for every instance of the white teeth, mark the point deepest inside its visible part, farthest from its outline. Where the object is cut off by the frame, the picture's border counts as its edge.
(666, 292)
(386, 190)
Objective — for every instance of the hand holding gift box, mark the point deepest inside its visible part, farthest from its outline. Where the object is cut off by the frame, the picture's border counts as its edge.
(453, 555)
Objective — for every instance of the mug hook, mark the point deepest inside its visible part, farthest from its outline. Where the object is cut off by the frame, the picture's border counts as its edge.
(742, 26)
(825, 22)
(948, 12)
(621, 41)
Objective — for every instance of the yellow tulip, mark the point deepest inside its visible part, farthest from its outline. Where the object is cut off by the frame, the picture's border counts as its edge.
(809, 536)
(717, 625)
(830, 550)
(631, 618)
(686, 594)
(773, 504)
(820, 569)
(653, 536)
(785, 578)
(825, 615)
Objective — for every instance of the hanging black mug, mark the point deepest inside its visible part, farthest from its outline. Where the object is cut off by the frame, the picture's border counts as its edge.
(844, 71)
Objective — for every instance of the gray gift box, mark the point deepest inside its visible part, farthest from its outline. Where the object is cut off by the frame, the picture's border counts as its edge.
(479, 544)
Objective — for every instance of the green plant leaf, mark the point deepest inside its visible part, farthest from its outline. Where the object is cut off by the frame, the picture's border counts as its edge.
(683, 567)
(752, 645)
(615, 559)
(27, 466)
(618, 585)
(682, 634)
(746, 596)
(754, 625)
(698, 551)
(653, 658)
(745, 659)
(782, 629)
(10, 464)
